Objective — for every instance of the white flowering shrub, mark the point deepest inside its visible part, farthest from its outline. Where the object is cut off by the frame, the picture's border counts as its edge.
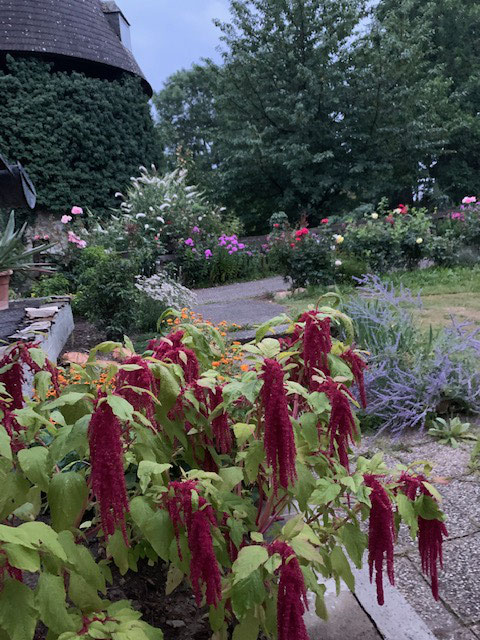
(162, 288)
(166, 208)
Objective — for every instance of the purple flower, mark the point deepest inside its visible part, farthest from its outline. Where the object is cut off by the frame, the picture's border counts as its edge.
(208, 254)
(196, 230)
(234, 249)
(221, 241)
(189, 242)
(241, 246)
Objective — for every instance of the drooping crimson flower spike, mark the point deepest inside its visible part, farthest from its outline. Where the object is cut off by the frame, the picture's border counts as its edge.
(221, 429)
(430, 532)
(292, 594)
(142, 378)
(341, 426)
(317, 344)
(279, 440)
(172, 348)
(381, 535)
(203, 563)
(358, 366)
(107, 476)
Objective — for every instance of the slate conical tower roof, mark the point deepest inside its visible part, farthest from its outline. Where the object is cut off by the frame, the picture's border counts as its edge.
(77, 30)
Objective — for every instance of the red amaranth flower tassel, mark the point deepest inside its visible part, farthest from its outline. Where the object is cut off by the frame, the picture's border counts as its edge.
(357, 365)
(341, 426)
(381, 535)
(142, 378)
(317, 344)
(171, 348)
(221, 429)
(292, 595)
(430, 532)
(107, 476)
(203, 563)
(279, 438)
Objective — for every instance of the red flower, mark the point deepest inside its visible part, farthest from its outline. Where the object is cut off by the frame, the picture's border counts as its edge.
(317, 344)
(141, 378)
(357, 365)
(390, 219)
(276, 225)
(171, 348)
(324, 221)
(279, 439)
(221, 429)
(430, 532)
(203, 564)
(403, 209)
(381, 535)
(341, 426)
(107, 477)
(292, 595)
(292, 244)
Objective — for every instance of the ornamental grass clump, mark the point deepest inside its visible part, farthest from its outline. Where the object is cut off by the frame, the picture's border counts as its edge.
(241, 484)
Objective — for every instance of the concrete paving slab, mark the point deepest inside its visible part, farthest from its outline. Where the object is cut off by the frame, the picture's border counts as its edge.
(346, 619)
(241, 290)
(396, 619)
(460, 579)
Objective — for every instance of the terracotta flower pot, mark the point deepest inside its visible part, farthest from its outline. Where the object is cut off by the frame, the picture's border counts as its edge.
(4, 287)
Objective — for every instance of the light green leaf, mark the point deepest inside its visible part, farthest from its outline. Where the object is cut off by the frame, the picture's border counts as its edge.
(255, 455)
(247, 593)
(341, 566)
(249, 559)
(355, 542)
(147, 470)
(83, 595)
(5, 448)
(119, 551)
(51, 603)
(36, 465)
(18, 616)
(120, 407)
(70, 398)
(243, 432)
(38, 356)
(22, 557)
(231, 476)
(248, 628)
(174, 578)
(326, 491)
(67, 497)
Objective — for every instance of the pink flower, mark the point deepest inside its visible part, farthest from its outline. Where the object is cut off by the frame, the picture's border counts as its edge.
(469, 200)
(145, 384)
(196, 230)
(65, 219)
(208, 254)
(324, 221)
(189, 242)
(317, 344)
(220, 427)
(77, 211)
(37, 237)
(341, 426)
(458, 215)
(276, 225)
(403, 209)
(241, 246)
(46, 237)
(357, 365)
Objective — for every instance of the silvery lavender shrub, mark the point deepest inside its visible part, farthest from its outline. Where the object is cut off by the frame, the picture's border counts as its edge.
(412, 377)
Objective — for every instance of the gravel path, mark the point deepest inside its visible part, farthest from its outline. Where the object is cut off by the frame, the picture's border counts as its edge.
(241, 290)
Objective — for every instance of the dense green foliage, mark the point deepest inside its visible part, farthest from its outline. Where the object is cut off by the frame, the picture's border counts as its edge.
(80, 138)
(319, 107)
(177, 456)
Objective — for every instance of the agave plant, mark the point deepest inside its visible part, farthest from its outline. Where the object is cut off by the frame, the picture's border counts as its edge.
(451, 432)
(14, 256)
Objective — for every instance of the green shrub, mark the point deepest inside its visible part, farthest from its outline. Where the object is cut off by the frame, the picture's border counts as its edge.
(106, 293)
(311, 261)
(55, 285)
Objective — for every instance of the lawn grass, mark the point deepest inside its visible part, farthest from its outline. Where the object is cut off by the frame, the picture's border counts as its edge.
(444, 292)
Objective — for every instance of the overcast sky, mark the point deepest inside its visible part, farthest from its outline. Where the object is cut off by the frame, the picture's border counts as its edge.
(168, 35)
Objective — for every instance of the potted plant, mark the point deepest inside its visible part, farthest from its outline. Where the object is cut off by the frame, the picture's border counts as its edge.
(15, 257)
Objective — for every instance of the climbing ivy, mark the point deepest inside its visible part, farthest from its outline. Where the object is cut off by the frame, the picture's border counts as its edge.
(80, 138)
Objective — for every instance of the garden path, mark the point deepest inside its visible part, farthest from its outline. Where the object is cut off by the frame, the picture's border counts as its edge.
(245, 304)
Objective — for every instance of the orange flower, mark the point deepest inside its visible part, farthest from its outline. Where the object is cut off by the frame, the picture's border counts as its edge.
(215, 363)
(244, 367)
